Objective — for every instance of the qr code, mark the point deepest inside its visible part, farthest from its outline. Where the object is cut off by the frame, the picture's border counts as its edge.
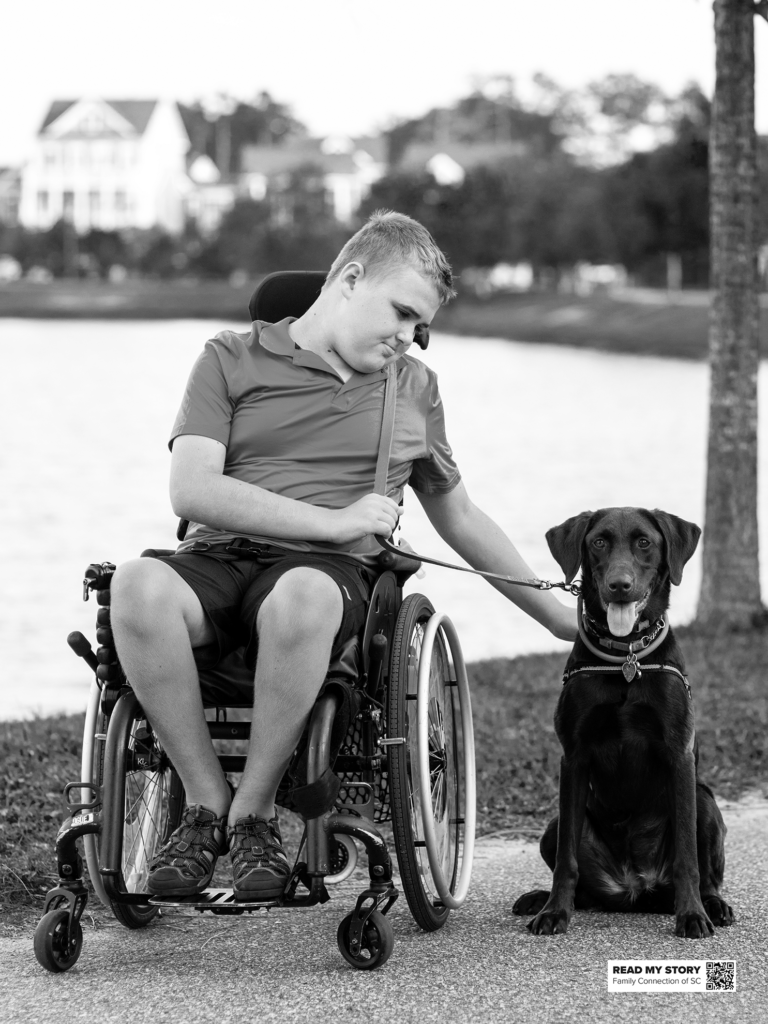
(721, 975)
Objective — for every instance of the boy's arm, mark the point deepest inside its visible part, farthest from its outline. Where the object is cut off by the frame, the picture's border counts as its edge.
(201, 493)
(478, 540)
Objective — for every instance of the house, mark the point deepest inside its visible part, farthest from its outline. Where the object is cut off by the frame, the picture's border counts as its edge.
(346, 168)
(107, 164)
(211, 194)
(448, 161)
(10, 182)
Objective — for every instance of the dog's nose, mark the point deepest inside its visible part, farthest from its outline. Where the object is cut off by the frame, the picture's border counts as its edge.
(620, 586)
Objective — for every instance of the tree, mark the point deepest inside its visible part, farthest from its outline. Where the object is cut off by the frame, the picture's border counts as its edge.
(659, 199)
(730, 591)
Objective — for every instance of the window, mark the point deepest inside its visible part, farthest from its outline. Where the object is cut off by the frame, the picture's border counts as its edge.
(94, 209)
(69, 205)
(93, 123)
(42, 204)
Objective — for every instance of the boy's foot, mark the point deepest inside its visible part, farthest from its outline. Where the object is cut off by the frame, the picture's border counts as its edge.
(184, 866)
(260, 869)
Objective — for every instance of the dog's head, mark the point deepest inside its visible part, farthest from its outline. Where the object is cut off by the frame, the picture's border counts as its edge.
(629, 557)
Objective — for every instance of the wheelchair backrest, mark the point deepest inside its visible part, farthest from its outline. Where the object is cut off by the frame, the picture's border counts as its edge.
(285, 293)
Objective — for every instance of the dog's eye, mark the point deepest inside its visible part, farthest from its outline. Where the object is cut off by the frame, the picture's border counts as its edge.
(598, 542)
(643, 542)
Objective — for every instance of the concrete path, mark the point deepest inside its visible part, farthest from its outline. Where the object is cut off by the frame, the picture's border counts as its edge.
(483, 966)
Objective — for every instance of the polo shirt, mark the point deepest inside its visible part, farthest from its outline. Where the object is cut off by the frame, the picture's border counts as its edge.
(291, 425)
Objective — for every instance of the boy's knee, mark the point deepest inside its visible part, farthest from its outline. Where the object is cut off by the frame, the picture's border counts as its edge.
(303, 602)
(140, 594)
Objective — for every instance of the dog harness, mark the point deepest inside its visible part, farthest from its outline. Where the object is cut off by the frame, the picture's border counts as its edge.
(628, 663)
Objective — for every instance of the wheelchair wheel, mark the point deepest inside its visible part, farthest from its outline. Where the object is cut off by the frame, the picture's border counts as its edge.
(153, 804)
(343, 857)
(56, 947)
(378, 941)
(430, 812)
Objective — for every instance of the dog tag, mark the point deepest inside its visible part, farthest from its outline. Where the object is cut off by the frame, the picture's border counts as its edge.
(629, 670)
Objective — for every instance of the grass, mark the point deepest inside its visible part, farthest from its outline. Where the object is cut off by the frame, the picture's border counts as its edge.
(517, 751)
(656, 326)
(130, 300)
(653, 323)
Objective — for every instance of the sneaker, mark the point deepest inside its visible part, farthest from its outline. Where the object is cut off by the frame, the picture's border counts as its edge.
(185, 865)
(260, 869)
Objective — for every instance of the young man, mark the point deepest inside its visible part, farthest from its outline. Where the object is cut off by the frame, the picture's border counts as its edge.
(276, 442)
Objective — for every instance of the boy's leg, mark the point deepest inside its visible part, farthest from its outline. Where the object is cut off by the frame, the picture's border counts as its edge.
(296, 625)
(157, 619)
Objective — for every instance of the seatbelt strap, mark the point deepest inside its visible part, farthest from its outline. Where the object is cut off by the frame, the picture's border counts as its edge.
(387, 431)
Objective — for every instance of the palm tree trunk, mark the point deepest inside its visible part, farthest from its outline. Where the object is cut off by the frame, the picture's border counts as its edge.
(730, 592)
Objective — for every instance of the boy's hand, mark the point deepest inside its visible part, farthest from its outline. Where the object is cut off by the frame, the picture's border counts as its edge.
(374, 513)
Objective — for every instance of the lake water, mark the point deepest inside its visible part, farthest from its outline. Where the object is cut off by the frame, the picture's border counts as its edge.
(540, 433)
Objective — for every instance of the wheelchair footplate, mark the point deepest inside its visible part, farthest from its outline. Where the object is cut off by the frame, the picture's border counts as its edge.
(218, 901)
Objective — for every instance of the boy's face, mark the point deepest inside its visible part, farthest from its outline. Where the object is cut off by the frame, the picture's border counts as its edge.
(378, 315)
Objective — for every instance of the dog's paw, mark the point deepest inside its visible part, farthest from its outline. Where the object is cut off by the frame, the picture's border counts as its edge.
(530, 902)
(553, 922)
(720, 914)
(693, 924)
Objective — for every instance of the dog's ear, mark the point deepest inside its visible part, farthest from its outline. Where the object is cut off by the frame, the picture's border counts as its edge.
(681, 538)
(565, 542)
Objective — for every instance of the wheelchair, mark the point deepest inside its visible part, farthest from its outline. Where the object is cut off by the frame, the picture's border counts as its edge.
(389, 740)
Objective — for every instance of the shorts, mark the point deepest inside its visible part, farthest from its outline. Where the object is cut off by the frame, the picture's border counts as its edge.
(231, 589)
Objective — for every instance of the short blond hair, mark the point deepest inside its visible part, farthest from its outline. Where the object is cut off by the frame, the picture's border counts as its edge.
(388, 241)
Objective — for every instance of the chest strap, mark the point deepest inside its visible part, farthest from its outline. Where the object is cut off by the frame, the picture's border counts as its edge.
(638, 672)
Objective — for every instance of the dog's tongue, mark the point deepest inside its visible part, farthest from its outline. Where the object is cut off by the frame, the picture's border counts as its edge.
(621, 617)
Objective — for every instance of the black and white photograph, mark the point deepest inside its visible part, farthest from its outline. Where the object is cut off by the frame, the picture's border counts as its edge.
(383, 616)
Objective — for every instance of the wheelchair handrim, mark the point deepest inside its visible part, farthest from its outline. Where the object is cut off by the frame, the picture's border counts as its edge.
(90, 846)
(452, 900)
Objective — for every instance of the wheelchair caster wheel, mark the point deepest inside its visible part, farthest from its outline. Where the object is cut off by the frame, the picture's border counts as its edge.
(56, 948)
(378, 941)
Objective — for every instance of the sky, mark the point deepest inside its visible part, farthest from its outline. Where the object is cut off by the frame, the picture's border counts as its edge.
(344, 66)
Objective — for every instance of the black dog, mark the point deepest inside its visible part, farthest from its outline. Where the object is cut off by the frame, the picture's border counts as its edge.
(636, 830)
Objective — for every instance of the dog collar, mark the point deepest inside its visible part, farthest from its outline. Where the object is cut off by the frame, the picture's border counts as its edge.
(633, 651)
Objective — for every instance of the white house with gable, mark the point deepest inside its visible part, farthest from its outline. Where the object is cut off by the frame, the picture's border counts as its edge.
(107, 164)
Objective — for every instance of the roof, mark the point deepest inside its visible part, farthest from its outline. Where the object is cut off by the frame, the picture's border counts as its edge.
(136, 112)
(269, 160)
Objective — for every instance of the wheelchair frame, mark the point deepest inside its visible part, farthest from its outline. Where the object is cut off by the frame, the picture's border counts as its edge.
(410, 746)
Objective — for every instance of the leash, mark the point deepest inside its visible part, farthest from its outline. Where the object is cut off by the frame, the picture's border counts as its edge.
(572, 588)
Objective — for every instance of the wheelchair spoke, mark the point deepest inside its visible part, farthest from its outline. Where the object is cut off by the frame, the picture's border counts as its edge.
(144, 818)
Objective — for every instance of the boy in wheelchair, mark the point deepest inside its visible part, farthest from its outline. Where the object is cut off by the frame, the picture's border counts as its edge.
(273, 456)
